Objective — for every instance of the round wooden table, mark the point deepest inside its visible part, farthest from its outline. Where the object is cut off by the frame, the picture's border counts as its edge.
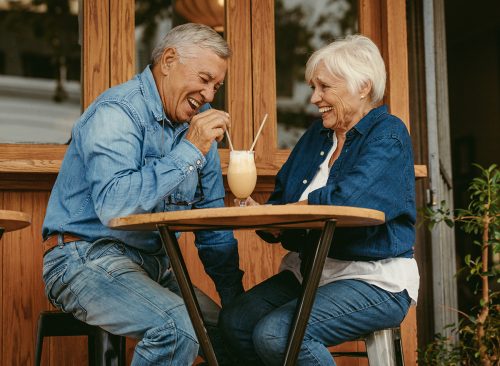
(261, 217)
(13, 220)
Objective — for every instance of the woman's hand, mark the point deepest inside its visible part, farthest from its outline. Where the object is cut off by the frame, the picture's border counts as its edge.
(272, 235)
(249, 201)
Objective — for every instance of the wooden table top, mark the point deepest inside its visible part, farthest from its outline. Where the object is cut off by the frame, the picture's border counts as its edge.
(13, 220)
(253, 217)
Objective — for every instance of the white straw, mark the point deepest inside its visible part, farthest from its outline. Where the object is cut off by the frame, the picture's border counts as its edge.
(229, 140)
(258, 132)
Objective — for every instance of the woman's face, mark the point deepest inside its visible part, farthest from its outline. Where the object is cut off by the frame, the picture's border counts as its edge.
(340, 109)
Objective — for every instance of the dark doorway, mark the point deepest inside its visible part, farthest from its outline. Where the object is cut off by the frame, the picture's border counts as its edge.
(473, 57)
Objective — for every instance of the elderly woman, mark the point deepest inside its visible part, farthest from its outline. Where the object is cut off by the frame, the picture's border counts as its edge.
(356, 155)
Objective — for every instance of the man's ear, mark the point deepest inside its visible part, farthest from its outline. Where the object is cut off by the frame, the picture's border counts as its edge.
(167, 58)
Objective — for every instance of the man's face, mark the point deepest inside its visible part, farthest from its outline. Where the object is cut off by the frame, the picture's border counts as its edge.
(190, 81)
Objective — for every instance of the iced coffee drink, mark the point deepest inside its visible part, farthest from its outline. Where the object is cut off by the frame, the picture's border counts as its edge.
(241, 174)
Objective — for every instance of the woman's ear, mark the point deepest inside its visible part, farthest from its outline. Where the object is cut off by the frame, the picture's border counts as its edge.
(365, 89)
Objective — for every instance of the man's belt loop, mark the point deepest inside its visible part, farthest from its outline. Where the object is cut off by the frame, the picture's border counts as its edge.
(60, 240)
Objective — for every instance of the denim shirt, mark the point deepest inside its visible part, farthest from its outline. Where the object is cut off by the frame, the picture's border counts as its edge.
(126, 157)
(374, 170)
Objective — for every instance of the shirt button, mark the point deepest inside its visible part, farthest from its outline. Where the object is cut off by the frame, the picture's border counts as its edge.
(191, 168)
(198, 162)
(304, 181)
(322, 153)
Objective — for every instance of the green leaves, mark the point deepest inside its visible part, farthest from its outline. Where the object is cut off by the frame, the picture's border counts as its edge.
(479, 340)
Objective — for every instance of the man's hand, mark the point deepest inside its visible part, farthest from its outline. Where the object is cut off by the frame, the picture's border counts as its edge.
(206, 127)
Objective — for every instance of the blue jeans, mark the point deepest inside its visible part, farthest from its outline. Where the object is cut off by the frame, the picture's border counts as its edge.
(256, 325)
(126, 292)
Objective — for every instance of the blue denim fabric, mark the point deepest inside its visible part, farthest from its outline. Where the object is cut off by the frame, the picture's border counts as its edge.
(374, 170)
(126, 157)
(124, 291)
(257, 324)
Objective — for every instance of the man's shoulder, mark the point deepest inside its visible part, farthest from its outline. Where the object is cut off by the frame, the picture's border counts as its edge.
(122, 93)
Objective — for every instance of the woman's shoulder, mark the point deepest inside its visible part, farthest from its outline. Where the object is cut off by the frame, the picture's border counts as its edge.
(389, 125)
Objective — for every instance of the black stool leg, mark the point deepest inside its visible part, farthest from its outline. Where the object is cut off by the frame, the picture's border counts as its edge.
(104, 349)
(398, 347)
(109, 349)
(39, 342)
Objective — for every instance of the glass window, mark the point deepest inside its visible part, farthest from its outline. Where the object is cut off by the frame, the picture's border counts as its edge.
(39, 70)
(301, 28)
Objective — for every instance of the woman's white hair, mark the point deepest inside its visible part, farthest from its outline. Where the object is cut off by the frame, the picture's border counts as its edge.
(184, 38)
(356, 60)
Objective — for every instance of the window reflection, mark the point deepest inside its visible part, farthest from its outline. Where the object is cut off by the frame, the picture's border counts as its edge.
(39, 70)
(153, 19)
(301, 28)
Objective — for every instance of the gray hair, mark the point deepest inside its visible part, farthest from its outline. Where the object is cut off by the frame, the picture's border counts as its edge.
(356, 60)
(187, 36)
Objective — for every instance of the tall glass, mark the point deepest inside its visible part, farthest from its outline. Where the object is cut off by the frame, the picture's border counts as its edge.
(241, 174)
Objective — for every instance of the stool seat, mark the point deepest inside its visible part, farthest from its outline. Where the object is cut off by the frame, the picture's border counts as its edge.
(103, 348)
(383, 348)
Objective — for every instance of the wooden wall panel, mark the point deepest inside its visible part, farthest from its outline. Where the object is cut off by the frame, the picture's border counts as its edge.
(239, 76)
(22, 296)
(122, 41)
(395, 53)
(95, 49)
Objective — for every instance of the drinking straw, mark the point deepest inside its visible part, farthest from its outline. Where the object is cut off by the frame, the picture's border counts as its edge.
(258, 132)
(229, 140)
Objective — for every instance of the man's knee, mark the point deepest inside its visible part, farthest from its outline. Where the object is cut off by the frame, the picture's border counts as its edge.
(269, 338)
(174, 334)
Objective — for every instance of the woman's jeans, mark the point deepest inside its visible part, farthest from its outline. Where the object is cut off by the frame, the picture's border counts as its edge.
(256, 325)
(126, 292)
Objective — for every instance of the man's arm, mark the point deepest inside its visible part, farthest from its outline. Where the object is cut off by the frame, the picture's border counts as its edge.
(111, 144)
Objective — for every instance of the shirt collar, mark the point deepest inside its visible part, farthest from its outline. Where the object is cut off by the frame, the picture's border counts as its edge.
(366, 122)
(152, 97)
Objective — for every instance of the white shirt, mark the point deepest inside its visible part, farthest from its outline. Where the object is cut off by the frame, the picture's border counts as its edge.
(391, 274)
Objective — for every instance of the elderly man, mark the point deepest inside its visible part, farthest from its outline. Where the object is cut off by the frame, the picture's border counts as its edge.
(148, 145)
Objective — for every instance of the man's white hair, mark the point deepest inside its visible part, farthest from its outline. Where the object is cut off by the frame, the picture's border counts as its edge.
(184, 38)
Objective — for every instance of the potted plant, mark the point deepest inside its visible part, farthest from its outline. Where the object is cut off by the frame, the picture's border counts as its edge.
(478, 332)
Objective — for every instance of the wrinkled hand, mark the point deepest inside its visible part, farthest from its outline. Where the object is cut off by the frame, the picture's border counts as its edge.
(206, 127)
(273, 233)
(249, 201)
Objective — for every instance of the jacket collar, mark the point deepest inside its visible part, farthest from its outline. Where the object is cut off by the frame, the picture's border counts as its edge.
(366, 123)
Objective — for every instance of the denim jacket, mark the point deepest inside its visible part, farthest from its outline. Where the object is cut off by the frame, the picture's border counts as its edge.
(126, 157)
(374, 170)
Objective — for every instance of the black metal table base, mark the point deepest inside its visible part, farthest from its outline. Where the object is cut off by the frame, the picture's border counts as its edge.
(187, 291)
(312, 275)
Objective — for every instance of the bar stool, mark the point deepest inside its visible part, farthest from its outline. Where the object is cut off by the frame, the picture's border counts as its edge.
(103, 348)
(383, 348)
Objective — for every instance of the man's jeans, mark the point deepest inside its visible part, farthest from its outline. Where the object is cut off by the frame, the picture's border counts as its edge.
(256, 325)
(126, 292)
